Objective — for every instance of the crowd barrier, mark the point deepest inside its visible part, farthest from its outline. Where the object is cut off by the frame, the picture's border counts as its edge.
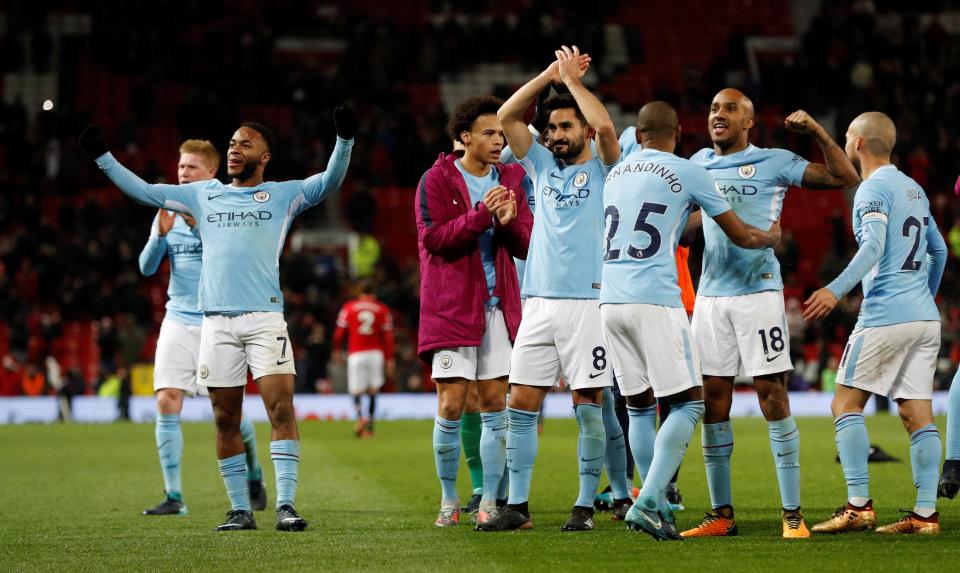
(94, 409)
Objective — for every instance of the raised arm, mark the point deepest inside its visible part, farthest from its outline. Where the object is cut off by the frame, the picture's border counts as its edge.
(317, 187)
(571, 73)
(511, 112)
(747, 236)
(161, 196)
(155, 249)
(837, 172)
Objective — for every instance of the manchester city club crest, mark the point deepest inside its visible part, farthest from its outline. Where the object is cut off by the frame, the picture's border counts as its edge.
(747, 171)
(580, 179)
(261, 196)
(203, 371)
(446, 361)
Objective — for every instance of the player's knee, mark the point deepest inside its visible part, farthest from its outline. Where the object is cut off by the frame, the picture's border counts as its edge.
(281, 413)
(227, 422)
(449, 410)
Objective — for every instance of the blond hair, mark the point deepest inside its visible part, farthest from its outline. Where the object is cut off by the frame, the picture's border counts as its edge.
(204, 149)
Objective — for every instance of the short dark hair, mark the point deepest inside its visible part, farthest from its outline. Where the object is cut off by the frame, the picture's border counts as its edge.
(366, 286)
(264, 132)
(563, 101)
(469, 110)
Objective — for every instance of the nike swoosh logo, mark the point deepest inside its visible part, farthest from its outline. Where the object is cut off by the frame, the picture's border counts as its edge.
(160, 447)
(556, 176)
(582, 459)
(441, 452)
(774, 358)
(597, 374)
(211, 197)
(656, 523)
(500, 428)
(786, 454)
(617, 437)
(282, 363)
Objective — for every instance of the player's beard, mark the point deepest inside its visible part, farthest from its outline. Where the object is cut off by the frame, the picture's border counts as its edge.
(249, 168)
(574, 149)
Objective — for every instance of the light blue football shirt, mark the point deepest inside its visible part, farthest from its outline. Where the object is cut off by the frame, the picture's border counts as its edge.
(478, 187)
(648, 197)
(243, 229)
(506, 156)
(564, 258)
(628, 141)
(754, 182)
(892, 210)
(186, 252)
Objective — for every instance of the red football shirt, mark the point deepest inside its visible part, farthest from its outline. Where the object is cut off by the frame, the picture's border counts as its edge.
(368, 325)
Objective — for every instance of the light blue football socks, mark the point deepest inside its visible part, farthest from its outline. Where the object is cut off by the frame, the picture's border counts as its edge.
(925, 461)
(669, 449)
(717, 449)
(286, 462)
(234, 472)
(953, 419)
(785, 446)
(853, 445)
(446, 453)
(521, 453)
(591, 450)
(615, 459)
(643, 435)
(170, 447)
(493, 451)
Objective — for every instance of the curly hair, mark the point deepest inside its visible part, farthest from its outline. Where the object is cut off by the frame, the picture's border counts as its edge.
(469, 110)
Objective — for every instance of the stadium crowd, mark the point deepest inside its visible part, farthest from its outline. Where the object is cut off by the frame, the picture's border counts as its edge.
(69, 244)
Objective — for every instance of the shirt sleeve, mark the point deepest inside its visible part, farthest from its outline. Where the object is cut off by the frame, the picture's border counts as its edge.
(872, 209)
(154, 251)
(936, 257)
(180, 198)
(793, 167)
(317, 187)
(628, 141)
(706, 194)
(538, 158)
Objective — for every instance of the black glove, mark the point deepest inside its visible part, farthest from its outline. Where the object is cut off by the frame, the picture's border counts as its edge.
(91, 142)
(345, 121)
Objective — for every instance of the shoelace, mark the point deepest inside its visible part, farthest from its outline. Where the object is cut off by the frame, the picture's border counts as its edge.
(793, 521)
(448, 512)
(907, 514)
(709, 518)
(840, 511)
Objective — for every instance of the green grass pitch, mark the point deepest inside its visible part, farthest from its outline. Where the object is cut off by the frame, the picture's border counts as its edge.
(72, 495)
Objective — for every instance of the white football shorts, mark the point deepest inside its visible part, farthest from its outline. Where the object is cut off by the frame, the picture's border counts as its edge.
(651, 346)
(231, 344)
(897, 360)
(488, 361)
(176, 359)
(561, 336)
(748, 330)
